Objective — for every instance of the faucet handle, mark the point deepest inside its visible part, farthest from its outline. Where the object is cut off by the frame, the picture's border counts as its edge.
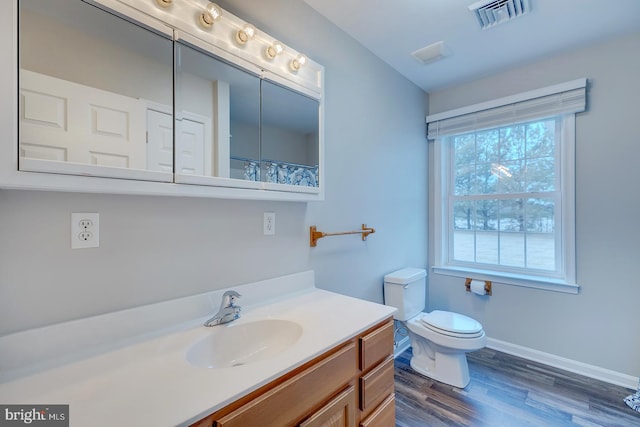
(229, 298)
(231, 294)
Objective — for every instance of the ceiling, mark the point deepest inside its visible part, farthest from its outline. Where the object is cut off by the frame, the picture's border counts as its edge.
(392, 30)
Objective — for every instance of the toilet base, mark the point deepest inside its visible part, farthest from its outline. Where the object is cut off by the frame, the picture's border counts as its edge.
(440, 356)
(450, 369)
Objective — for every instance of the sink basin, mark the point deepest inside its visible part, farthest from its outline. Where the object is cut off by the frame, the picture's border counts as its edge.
(243, 343)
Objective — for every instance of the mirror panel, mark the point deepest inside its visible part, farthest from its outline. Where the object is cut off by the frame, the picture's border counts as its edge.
(97, 82)
(290, 136)
(217, 117)
(95, 92)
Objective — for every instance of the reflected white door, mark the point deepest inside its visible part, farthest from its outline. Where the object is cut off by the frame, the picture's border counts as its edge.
(65, 121)
(159, 141)
(192, 155)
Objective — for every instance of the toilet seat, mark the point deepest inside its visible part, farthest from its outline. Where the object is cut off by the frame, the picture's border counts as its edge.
(452, 324)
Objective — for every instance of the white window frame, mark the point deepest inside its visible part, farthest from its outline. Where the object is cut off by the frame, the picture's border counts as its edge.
(564, 280)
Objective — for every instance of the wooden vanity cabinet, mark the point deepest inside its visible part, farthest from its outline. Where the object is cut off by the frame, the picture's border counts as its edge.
(376, 377)
(350, 385)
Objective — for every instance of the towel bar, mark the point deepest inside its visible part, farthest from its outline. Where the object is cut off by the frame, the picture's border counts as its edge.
(315, 235)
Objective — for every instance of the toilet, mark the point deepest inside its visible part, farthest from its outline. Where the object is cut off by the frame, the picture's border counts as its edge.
(440, 339)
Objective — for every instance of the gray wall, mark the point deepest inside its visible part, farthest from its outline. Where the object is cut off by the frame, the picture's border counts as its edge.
(159, 248)
(597, 325)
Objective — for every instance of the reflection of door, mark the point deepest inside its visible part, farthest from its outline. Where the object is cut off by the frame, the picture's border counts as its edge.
(159, 141)
(193, 145)
(66, 121)
(191, 150)
(190, 154)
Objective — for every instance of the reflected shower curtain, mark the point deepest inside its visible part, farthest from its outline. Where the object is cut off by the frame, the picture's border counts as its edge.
(633, 400)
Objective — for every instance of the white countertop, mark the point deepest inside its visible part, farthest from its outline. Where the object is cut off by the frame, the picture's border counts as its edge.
(151, 382)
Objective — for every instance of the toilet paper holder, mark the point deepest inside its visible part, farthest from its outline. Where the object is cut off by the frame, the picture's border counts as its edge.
(487, 286)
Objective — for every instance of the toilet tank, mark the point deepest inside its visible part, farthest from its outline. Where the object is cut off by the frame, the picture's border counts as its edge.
(406, 290)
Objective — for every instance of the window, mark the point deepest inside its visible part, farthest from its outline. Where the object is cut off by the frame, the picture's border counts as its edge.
(504, 191)
(503, 197)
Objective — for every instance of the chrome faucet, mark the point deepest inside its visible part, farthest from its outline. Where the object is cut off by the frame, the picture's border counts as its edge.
(228, 311)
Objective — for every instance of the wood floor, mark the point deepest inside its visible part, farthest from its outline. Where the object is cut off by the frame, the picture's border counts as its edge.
(509, 391)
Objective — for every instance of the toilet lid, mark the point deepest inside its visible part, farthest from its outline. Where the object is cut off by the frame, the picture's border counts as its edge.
(451, 322)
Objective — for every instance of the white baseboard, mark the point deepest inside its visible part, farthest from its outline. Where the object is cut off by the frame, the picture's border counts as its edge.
(570, 365)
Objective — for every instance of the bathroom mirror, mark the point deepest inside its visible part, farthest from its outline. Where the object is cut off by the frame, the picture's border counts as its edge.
(147, 91)
(290, 136)
(96, 92)
(233, 126)
(217, 118)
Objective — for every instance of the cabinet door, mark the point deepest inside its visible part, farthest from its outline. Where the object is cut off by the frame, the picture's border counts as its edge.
(383, 416)
(339, 412)
(289, 402)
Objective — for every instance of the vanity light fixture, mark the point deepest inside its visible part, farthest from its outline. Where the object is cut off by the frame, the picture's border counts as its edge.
(210, 14)
(245, 34)
(164, 3)
(274, 49)
(298, 62)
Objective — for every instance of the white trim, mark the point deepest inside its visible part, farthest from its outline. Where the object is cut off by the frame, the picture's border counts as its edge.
(524, 96)
(293, 188)
(217, 181)
(87, 170)
(591, 371)
(564, 278)
(568, 199)
(441, 223)
(535, 282)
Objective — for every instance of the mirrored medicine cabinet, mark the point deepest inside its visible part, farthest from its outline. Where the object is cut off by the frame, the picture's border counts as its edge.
(129, 90)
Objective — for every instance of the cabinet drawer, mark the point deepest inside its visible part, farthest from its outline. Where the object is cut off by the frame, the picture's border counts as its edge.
(384, 415)
(376, 385)
(339, 412)
(289, 402)
(376, 346)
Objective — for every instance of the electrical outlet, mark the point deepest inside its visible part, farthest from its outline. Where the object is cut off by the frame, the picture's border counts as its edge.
(269, 224)
(85, 230)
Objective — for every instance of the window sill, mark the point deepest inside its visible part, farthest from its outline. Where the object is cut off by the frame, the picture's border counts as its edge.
(535, 282)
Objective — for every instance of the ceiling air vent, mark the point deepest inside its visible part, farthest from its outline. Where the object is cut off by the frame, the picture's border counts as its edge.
(494, 12)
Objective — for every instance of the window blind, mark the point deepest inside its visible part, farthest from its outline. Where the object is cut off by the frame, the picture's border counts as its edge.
(565, 98)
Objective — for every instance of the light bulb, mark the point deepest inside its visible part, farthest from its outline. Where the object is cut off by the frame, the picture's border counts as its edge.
(274, 49)
(245, 34)
(164, 3)
(210, 14)
(297, 62)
